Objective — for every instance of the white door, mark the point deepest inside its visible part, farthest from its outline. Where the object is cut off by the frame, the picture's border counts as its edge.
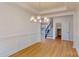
(65, 31)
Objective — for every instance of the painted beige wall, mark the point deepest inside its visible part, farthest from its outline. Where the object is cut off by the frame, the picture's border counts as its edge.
(16, 31)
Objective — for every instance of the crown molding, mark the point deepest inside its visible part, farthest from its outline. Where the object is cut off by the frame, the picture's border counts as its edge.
(65, 13)
(28, 8)
(64, 8)
(34, 11)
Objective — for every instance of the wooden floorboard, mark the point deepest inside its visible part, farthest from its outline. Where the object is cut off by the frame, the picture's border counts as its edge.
(48, 48)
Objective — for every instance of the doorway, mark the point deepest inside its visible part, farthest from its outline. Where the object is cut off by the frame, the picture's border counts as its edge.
(58, 31)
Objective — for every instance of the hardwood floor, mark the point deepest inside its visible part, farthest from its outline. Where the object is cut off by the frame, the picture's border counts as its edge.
(48, 48)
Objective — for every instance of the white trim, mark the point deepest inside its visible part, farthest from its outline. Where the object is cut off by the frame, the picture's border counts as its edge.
(16, 35)
(25, 6)
(17, 39)
(77, 51)
(75, 46)
(60, 14)
(54, 10)
(32, 10)
(11, 53)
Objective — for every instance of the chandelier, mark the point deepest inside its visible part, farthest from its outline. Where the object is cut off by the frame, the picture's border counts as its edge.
(39, 18)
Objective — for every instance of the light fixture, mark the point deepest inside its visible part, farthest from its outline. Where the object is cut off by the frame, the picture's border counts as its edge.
(39, 18)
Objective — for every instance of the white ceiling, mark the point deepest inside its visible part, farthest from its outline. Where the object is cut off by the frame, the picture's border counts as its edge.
(42, 6)
(48, 7)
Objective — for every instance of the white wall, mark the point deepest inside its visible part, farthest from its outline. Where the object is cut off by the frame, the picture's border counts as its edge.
(16, 31)
(76, 29)
(65, 23)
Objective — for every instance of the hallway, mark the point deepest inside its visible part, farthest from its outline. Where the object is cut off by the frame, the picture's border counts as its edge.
(48, 48)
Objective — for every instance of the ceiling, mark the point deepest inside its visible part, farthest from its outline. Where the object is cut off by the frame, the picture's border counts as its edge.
(42, 6)
(48, 7)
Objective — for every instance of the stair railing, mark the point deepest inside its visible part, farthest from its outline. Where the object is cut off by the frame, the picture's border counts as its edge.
(48, 29)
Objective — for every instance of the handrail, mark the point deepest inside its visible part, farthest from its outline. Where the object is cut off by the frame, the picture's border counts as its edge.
(47, 29)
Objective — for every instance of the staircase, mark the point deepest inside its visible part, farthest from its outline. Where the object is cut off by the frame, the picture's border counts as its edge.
(49, 30)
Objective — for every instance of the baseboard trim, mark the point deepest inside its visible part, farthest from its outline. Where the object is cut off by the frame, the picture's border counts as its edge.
(25, 47)
(77, 51)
